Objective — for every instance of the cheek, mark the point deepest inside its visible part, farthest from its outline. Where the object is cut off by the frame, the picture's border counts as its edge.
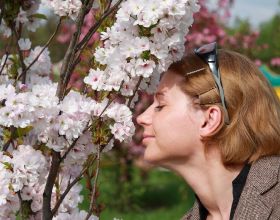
(174, 129)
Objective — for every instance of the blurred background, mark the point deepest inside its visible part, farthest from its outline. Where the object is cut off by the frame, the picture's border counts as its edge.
(129, 188)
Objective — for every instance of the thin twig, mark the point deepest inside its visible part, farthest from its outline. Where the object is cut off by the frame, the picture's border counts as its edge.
(87, 127)
(43, 49)
(20, 202)
(92, 200)
(134, 92)
(70, 53)
(5, 61)
(109, 5)
(7, 144)
(69, 187)
(72, 67)
(94, 28)
(19, 51)
(6, 54)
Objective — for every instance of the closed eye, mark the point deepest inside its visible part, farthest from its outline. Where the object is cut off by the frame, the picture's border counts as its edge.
(159, 107)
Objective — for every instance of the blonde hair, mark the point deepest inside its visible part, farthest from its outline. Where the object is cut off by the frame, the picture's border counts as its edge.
(252, 104)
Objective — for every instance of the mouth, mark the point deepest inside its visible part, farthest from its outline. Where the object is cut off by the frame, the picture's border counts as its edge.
(146, 138)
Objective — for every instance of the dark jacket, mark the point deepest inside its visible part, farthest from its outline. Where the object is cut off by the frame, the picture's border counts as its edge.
(260, 198)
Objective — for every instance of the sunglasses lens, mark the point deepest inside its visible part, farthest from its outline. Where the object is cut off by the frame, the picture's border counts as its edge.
(206, 48)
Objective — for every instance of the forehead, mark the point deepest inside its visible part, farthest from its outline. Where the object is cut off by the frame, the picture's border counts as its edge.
(169, 81)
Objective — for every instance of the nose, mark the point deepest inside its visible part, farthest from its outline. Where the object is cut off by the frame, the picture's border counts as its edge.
(145, 118)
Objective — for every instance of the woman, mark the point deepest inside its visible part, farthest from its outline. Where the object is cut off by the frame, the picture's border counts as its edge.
(215, 121)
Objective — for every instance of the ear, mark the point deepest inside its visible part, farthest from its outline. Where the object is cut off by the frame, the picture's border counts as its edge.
(212, 121)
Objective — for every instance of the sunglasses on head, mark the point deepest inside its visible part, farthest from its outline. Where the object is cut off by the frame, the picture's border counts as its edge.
(208, 53)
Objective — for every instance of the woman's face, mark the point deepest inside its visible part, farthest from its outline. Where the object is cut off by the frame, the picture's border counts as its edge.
(171, 124)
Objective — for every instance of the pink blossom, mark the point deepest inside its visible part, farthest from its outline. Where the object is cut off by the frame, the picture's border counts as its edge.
(275, 61)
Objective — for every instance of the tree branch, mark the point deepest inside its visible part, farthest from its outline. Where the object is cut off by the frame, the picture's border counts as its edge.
(72, 145)
(70, 53)
(20, 202)
(47, 213)
(23, 74)
(69, 187)
(94, 28)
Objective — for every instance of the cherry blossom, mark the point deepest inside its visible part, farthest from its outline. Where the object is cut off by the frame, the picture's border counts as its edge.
(37, 123)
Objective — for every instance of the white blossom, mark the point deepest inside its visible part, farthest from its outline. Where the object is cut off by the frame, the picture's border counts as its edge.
(144, 68)
(22, 16)
(123, 129)
(95, 79)
(8, 211)
(145, 39)
(65, 8)
(77, 215)
(80, 151)
(42, 66)
(24, 44)
(29, 167)
(5, 178)
(6, 91)
(33, 23)
(4, 29)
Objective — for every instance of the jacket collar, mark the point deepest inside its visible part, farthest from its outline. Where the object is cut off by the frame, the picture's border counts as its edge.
(253, 202)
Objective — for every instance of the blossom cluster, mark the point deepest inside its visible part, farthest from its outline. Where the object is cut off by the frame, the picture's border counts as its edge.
(64, 8)
(24, 172)
(26, 16)
(56, 125)
(145, 39)
(23, 175)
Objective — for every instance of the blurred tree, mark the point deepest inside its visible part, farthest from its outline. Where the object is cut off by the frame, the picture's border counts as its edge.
(270, 35)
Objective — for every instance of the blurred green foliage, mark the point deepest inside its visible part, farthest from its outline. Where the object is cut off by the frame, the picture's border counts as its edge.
(157, 194)
(270, 35)
(268, 38)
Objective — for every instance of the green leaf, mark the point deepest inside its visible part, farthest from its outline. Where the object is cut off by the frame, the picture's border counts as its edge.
(7, 165)
(23, 131)
(145, 55)
(40, 16)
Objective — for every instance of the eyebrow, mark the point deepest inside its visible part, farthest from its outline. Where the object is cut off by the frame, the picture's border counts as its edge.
(158, 94)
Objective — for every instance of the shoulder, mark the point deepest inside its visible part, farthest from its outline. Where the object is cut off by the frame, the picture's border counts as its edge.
(264, 175)
(260, 197)
(267, 167)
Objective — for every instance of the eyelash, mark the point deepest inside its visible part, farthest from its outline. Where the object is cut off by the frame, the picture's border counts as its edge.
(159, 107)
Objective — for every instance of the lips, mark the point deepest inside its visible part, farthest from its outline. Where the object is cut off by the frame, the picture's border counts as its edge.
(146, 137)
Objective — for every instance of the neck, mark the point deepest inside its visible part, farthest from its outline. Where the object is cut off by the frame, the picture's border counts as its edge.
(211, 181)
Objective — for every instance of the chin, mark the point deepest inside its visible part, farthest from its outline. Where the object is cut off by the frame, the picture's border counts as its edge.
(153, 158)
(150, 157)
